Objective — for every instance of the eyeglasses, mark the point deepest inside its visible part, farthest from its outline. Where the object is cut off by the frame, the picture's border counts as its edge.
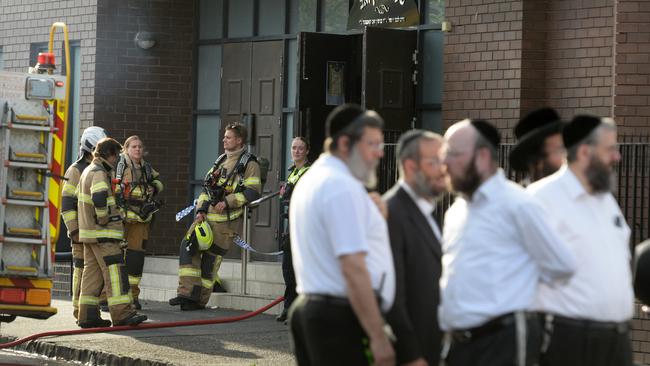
(374, 145)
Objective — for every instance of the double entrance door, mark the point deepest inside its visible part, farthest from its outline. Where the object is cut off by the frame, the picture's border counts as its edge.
(376, 69)
(251, 92)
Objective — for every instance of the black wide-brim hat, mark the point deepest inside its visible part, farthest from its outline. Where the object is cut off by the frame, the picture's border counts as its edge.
(642, 272)
(531, 131)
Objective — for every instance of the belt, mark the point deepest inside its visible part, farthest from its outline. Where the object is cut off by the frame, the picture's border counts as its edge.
(328, 299)
(618, 327)
(491, 326)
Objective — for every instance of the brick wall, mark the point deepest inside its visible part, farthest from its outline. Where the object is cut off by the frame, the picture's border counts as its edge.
(23, 23)
(149, 93)
(579, 56)
(482, 61)
(632, 70)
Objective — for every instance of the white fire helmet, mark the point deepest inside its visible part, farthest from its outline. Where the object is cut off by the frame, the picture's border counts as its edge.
(90, 138)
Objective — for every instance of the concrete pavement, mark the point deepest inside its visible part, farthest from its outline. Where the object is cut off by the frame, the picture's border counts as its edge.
(256, 341)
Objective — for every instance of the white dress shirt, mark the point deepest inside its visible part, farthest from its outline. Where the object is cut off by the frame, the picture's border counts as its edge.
(332, 215)
(425, 206)
(497, 247)
(596, 231)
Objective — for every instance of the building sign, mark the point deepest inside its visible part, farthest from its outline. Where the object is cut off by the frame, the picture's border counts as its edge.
(383, 13)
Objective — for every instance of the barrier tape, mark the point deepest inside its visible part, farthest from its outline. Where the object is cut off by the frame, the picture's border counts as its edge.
(244, 245)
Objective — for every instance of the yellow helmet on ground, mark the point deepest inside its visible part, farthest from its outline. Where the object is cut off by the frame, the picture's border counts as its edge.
(204, 237)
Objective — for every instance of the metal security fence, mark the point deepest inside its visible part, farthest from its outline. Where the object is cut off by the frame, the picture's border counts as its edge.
(632, 176)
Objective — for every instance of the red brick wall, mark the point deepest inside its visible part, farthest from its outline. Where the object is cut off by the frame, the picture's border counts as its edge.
(579, 56)
(149, 93)
(503, 59)
(482, 62)
(632, 70)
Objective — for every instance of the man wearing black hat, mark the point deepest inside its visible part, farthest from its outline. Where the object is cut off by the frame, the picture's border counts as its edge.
(415, 240)
(642, 273)
(341, 251)
(497, 247)
(539, 151)
(587, 318)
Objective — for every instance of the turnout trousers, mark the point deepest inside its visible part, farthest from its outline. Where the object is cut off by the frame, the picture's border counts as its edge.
(104, 264)
(198, 273)
(136, 234)
(78, 269)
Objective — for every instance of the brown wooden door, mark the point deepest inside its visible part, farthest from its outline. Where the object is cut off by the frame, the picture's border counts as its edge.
(266, 112)
(251, 93)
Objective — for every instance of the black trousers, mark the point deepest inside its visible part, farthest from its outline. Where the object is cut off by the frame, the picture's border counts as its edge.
(585, 345)
(499, 346)
(289, 278)
(326, 334)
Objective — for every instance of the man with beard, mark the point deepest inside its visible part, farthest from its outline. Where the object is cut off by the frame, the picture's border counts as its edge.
(341, 252)
(587, 318)
(415, 240)
(539, 151)
(497, 247)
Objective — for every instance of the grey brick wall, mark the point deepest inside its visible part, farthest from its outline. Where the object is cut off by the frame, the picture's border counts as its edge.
(124, 89)
(25, 22)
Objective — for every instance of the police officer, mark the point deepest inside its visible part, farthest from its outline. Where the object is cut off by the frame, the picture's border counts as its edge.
(232, 182)
(539, 151)
(101, 230)
(299, 153)
(138, 184)
(89, 139)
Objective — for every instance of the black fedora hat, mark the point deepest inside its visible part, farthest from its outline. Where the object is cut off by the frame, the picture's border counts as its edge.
(531, 131)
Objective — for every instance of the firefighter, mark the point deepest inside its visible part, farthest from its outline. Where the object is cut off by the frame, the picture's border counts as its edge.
(138, 184)
(232, 182)
(89, 139)
(101, 231)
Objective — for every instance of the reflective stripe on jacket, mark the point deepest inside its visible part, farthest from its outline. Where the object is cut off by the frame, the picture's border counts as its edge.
(238, 191)
(69, 196)
(99, 217)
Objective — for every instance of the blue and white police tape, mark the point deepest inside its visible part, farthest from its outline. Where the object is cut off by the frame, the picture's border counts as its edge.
(184, 212)
(244, 245)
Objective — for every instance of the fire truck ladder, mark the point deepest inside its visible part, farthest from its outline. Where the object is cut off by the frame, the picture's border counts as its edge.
(26, 128)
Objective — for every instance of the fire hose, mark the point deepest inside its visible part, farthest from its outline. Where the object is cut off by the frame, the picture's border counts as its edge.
(124, 328)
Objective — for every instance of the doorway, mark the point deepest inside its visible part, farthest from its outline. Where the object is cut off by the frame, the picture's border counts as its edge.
(251, 85)
(374, 69)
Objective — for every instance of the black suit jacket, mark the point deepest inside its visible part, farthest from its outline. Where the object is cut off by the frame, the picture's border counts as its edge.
(417, 255)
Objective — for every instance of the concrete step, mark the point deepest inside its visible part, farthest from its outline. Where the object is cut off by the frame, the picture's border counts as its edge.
(265, 283)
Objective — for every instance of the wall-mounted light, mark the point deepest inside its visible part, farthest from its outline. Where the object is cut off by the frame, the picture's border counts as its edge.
(144, 40)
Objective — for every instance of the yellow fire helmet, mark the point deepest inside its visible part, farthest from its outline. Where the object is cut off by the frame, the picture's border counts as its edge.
(204, 235)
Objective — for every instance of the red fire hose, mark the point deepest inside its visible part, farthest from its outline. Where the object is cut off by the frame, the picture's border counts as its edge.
(123, 328)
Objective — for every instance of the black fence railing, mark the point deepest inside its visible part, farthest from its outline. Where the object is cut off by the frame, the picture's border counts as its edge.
(632, 193)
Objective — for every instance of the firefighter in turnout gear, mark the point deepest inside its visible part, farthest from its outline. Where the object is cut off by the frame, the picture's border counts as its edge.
(101, 231)
(137, 185)
(89, 139)
(232, 182)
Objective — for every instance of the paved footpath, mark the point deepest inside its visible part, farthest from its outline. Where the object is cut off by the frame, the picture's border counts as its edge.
(256, 341)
